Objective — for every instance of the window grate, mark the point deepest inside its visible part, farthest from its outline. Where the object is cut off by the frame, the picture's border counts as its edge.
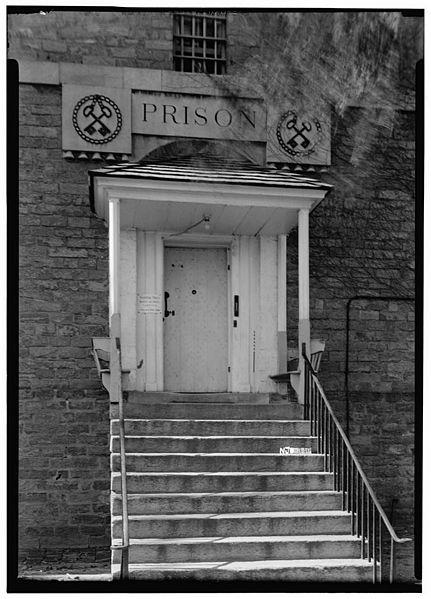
(200, 42)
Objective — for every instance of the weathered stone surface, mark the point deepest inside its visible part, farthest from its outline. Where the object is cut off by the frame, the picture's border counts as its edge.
(68, 37)
(57, 457)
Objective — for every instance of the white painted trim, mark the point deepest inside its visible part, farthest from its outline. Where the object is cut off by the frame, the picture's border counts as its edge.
(229, 314)
(235, 290)
(140, 318)
(142, 188)
(303, 293)
(114, 256)
(149, 327)
(303, 265)
(209, 194)
(160, 287)
(255, 307)
(241, 274)
(150, 360)
(128, 303)
(196, 240)
(281, 302)
(281, 282)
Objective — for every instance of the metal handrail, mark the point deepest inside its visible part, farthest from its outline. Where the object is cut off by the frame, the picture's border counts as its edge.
(349, 478)
(117, 396)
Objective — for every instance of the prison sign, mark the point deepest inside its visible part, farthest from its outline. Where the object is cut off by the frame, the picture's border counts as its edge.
(207, 117)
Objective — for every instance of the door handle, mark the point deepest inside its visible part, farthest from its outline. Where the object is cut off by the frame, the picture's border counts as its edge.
(236, 305)
(167, 312)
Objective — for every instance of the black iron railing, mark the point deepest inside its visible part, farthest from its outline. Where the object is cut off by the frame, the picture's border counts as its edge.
(368, 519)
(116, 396)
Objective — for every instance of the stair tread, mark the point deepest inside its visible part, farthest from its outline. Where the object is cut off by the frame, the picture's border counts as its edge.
(207, 454)
(228, 494)
(256, 565)
(202, 437)
(239, 515)
(208, 420)
(227, 473)
(245, 539)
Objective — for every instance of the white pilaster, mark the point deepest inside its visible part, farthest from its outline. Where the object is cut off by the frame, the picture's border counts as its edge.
(303, 291)
(114, 256)
(281, 304)
(149, 329)
(128, 303)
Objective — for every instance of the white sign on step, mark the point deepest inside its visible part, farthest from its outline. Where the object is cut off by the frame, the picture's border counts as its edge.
(150, 304)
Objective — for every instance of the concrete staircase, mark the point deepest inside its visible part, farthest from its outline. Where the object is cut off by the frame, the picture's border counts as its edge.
(211, 498)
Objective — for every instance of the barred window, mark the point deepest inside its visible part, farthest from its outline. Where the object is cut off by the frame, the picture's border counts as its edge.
(200, 42)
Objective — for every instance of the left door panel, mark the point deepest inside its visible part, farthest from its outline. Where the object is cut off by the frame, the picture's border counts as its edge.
(196, 329)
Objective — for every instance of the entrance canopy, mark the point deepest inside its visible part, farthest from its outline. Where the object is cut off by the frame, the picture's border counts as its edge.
(234, 197)
(154, 208)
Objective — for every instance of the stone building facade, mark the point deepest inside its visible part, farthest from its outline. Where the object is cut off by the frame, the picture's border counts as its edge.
(361, 244)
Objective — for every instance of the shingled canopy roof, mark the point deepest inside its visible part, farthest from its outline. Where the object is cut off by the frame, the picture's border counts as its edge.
(205, 169)
(173, 194)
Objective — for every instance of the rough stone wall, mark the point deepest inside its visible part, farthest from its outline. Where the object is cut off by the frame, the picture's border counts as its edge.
(63, 412)
(141, 39)
(381, 407)
(133, 39)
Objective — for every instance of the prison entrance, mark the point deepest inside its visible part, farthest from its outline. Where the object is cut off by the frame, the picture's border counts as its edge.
(195, 320)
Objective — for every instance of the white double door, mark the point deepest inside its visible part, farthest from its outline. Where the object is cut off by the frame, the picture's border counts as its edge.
(196, 320)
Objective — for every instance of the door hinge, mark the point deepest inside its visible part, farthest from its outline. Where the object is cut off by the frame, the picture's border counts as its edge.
(228, 368)
(228, 266)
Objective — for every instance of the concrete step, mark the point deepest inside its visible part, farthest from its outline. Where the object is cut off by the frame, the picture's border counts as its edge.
(209, 549)
(169, 397)
(230, 411)
(218, 462)
(198, 482)
(179, 427)
(240, 524)
(194, 503)
(313, 570)
(211, 444)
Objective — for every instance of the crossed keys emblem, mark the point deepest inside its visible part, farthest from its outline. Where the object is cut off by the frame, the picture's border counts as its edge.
(299, 133)
(298, 139)
(97, 119)
(105, 111)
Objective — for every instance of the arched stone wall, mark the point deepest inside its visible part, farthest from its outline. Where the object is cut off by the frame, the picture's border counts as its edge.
(148, 148)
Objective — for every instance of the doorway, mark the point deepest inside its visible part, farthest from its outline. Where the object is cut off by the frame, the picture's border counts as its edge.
(196, 320)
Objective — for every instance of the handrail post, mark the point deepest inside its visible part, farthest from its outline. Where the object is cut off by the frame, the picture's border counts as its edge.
(116, 396)
(392, 562)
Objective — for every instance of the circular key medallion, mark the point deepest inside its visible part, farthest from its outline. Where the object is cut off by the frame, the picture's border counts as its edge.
(97, 119)
(297, 137)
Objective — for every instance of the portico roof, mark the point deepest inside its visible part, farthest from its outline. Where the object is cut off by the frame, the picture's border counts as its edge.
(209, 171)
(240, 198)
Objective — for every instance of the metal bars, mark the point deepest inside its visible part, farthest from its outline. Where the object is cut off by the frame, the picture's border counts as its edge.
(200, 42)
(358, 498)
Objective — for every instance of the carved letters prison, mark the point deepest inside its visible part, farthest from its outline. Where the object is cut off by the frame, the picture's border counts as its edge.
(194, 116)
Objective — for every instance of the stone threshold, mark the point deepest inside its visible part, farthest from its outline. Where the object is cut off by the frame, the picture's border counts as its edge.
(166, 397)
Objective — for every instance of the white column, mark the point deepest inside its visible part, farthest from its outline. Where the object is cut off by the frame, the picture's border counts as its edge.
(303, 291)
(114, 297)
(114, 256)
(281, 302)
